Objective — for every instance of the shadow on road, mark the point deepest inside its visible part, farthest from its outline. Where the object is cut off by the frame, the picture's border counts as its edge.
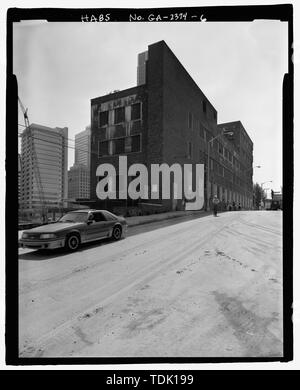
(44, 254)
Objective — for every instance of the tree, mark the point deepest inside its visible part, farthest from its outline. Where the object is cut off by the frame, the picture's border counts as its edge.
(258, 195)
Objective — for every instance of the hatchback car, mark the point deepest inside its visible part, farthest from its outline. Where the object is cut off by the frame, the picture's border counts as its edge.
(74, 228)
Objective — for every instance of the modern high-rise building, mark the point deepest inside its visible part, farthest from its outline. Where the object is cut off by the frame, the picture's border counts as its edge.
(83, 147)
(79, 182)
(168, 119)
(79, 173)
(142, 68)
(44, 183)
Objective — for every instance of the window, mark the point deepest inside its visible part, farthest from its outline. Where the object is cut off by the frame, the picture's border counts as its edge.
(102, 133)
(204, 106)
(136, 127)
(120, 131)
(103, 148)
(196, 123)
(135, 111)
(118, 146)
(190, 120)
(103, 118)
(99, 217)
(189, 154)
(119, 115)
(108, 215)
(136, 143)
(201, 132)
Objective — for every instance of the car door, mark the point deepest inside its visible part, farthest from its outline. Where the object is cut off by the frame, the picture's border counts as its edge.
(99, 227)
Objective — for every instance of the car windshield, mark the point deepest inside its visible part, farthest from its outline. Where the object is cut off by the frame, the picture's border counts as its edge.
(74, 217)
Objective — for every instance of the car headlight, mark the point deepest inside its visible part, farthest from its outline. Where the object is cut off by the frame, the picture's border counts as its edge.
(24, 235)
(47, 235)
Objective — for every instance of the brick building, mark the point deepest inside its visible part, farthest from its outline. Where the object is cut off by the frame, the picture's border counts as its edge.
(168, 119)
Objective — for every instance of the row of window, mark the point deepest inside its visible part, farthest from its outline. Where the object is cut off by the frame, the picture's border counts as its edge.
(117, 146)
(222, 151)
(121, 130)
(206, 135)
(224, 172)
(118, 115)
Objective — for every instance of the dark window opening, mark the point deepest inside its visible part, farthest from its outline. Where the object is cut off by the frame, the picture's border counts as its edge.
(204, 106)
(135, 143)
(136, 127)
(189, 150)
(102, 133)
(103, 118)
(103, 148)
(120, 131)
(135, 111)
(119, 146)
(99, 217)
(201, 131)
(190, 120)
(119, 115)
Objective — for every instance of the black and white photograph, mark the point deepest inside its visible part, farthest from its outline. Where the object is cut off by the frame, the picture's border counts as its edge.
(150, 219)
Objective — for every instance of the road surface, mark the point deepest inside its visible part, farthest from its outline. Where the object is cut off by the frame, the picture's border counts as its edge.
(196, 287)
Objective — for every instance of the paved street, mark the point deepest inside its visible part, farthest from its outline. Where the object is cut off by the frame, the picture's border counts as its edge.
(188, 287)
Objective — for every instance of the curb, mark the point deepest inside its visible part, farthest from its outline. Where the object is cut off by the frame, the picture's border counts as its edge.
(151, 220)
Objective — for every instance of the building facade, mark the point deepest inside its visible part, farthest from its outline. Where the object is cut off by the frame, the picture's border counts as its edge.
(141, 68)
(167, 119)
(78, 182)
(83, 147)
(19, 178)
(79, 173)
(44, 154)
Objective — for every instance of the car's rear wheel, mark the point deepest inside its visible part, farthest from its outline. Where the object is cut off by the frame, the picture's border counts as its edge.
(72, 242)
(117, 233)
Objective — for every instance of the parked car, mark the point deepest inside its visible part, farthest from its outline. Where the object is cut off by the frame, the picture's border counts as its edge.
(74, 228)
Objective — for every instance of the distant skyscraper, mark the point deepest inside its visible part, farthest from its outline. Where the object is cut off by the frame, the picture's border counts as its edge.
(79, 182)
(79, 173)
(141, 68)
(83, 147)
(51, 155)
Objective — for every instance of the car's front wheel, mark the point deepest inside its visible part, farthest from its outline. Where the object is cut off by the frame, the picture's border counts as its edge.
(72, 242)
(117, 233)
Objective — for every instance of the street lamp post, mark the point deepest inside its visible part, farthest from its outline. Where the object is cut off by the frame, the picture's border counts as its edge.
(208, 168)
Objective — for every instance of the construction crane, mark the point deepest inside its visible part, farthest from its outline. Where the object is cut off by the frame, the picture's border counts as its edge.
(35, 164)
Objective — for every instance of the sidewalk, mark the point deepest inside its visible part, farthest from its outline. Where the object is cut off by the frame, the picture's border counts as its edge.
(141, 220)
(144, 219)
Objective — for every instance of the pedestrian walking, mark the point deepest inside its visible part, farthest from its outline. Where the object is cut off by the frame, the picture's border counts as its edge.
(215, 202)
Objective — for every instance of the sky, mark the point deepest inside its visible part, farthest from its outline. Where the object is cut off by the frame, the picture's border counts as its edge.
(238, 66)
